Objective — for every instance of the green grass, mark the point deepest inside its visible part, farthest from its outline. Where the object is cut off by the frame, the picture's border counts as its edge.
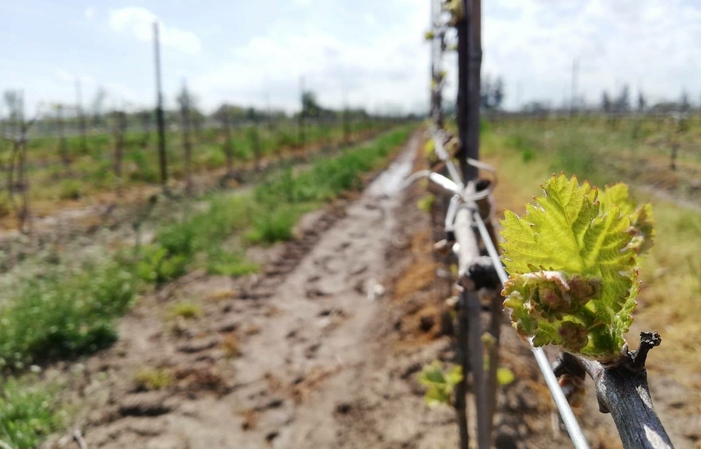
(28, 413)
(69, 189)
(275, 224)
(63, 315)
(229, 263)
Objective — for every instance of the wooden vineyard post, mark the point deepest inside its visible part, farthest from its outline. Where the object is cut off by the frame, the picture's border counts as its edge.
(163, 164)
(344, 119)
(463, 92)
(185, 101)
(18, 165)
(473, 23)
(437, 49)
(496, 312)
(301, 113)
(346, 126)
(228, 144)
(81, 117)
(469, 251)
(468, 25)
(326, 130)
(255, 143)
(145, 119)
(119, 129)
(461, 358)
(62, 143)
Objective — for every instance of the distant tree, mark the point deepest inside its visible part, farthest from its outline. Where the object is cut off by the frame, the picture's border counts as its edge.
(684, 105)
(536, 107)
(228, 112)
(310, 105)
(605, 102)
(665, 107)
(622, 103)
(498, 93)
(97, 105)
(492, 93)
(13, 103)
(485, 92)
(641, 101)
(251, 114)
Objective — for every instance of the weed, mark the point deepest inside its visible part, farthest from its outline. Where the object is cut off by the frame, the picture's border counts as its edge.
(187, 310)
(153, 378)
(229, 264)
(274, 225)
(69, 189)
(221, 295)
(159, 266)
(28, 413)
(145, 170)
(63, 315)
(527, 155)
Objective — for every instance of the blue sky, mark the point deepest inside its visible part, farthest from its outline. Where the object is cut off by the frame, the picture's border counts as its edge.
(247, 52)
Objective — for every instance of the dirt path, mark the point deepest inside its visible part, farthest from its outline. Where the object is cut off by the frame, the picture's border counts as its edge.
(301, 357)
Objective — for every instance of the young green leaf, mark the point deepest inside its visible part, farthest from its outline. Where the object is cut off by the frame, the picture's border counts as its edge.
(573, 269)
(440, 382)
(505, 376)
(642, 225)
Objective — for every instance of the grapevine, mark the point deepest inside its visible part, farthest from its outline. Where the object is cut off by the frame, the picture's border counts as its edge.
(573, 264)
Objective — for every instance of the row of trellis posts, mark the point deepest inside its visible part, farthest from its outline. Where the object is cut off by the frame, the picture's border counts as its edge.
(16, 130)
(621, 390)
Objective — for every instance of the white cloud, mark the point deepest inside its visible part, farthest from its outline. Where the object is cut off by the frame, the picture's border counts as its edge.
(139, 23)
(89, 13)
(68, 77)
(373, 49)
(387, 65)
(640, 43)
(117, 91)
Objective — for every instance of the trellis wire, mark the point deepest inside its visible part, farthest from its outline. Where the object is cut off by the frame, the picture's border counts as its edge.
(566, 413)
(563, 406)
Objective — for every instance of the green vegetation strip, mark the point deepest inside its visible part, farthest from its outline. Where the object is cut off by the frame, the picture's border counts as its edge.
(66, 314)
(88, 168)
